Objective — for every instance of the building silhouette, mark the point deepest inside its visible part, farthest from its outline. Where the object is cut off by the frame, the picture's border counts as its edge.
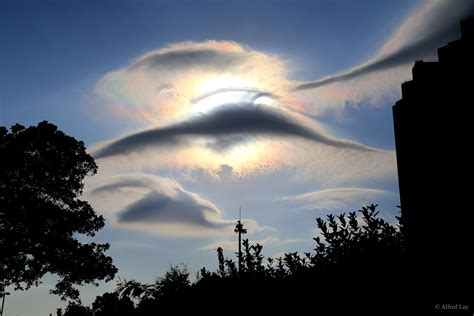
(433, 128)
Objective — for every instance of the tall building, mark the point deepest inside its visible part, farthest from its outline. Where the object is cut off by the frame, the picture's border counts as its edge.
(433, 137)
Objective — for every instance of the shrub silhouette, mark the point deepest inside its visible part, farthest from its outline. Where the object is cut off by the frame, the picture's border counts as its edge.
(354, 268)
(353, 256)
(108, 304)
(164, 293)
(75, 309)
(346, 242)
(111, 304)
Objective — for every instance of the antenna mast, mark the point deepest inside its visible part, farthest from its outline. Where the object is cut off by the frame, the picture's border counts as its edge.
(239, 229)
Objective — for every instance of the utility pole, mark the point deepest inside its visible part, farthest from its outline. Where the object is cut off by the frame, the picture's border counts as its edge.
(239, 229)
(3, 300)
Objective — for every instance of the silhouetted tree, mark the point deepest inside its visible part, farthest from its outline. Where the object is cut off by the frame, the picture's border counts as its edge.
(354, 257)
(163, 293)
(41, 180)
(351, 270)
(136, 290)
(221, 260)
(175, 281)
(252, 258)
(111, 304)
(76, 309)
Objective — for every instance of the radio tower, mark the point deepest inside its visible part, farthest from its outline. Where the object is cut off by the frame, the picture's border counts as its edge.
(239, 229)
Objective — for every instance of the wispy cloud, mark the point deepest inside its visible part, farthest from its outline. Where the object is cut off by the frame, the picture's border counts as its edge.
(295, 159)
(429, 26)
(214, 103)
(164, 84)
(160, 206)
(133, 244)
(169, 87)
(232, 245)
(336, 199)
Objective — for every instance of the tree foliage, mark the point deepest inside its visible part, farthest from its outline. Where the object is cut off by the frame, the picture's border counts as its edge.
(108, 304)
(76, 309)
(41, 213)
(111, 304)
(347, 272)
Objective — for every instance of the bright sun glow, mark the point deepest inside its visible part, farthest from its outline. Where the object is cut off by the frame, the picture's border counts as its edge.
(245, 154)
(230, 90)
(218, 99)
(244, 158)
(222, 82)
(227, 90)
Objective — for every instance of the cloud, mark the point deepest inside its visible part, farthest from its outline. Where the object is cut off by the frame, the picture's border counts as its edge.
(255, 93)
(377, 81)
(158, 205)
(229, 124)
(336, 199)
(131, 244)
(164, 84)
(429, 26)
(232, 245)
(295, 159)
(182, 208)
(195, 104)
(210, 55)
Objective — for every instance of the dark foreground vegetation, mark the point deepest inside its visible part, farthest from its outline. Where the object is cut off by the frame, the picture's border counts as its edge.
(356, 264)
(361, 264)
(354, 267)
(42, 214)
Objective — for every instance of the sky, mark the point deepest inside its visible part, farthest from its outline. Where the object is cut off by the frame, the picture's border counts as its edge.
(194, 109)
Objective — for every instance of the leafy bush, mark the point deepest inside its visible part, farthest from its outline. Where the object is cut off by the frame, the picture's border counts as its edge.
(348, 271)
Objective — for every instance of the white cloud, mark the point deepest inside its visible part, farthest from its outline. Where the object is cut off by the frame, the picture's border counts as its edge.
(126, 244)
(336, 199)
(157, 205)
(430, 25)
(159, 89)
(279, 255)
(232, 245)
(161, 85)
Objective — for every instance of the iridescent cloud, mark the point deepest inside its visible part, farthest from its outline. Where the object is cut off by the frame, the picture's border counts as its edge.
(162, 85)
(233, 123)
(165, 84)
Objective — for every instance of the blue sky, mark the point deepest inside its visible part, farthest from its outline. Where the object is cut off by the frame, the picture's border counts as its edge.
(105, 70)
(54, 52)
